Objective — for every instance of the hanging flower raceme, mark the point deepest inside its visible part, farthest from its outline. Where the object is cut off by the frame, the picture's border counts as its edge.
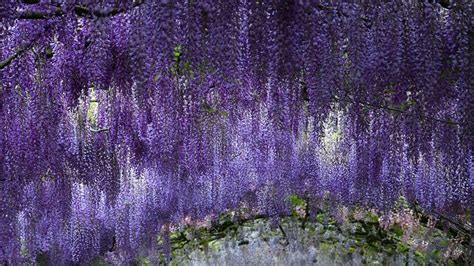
(136, 116)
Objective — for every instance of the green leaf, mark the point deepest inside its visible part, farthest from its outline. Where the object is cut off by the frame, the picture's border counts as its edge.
(397, 229)
(48, 51)
(320, 217)
(419, 254)
(443, 243)
(435, 253)
(177, 51)
(324, 247)
(451, 263)
(402, 247)
(295, 200)
(372, 217)
(224, 113)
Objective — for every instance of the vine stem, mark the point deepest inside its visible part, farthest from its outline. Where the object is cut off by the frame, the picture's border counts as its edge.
(79, 10)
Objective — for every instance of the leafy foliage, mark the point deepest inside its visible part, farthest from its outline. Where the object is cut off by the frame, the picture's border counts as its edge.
(122, 118)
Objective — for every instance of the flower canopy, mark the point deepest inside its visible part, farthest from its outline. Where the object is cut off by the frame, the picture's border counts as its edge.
(119, 118)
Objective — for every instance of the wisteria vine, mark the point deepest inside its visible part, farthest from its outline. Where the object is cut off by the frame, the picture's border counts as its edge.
(122, 118)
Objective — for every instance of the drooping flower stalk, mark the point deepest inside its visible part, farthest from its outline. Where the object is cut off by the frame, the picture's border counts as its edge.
(132, 115)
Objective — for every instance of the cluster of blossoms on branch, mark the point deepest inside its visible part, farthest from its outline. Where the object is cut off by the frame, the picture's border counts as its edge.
(121, 118)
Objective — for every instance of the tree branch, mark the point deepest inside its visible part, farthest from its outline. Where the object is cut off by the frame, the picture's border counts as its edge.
(79, 10)
(40, 15)
(349, 99)
(388, 108)
(18, 53)
(98, 130)
(30, 2)
(456, 225)
(282, 231)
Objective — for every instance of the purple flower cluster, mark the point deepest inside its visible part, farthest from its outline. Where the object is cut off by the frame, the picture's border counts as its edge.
(121, 119)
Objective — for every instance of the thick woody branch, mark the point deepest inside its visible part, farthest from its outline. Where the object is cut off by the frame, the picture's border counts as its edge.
(98, 130)
(12, 57)
(79, 10)
(392, 109)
